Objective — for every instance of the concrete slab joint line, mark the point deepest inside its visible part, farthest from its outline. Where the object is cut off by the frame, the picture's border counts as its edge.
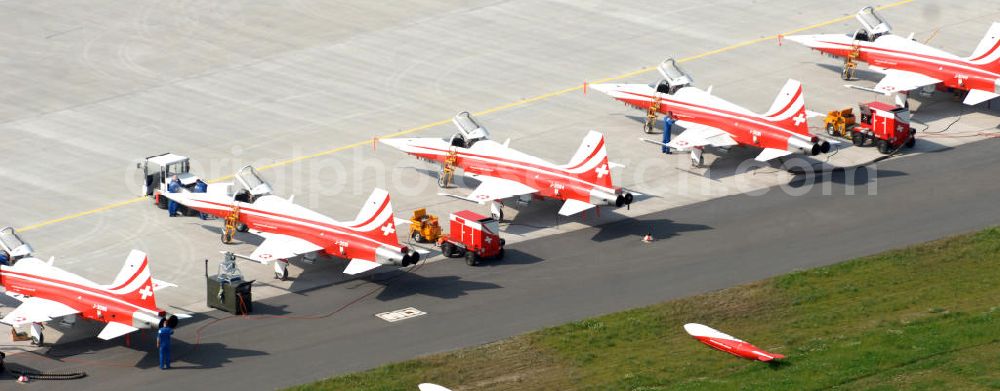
(479, 113)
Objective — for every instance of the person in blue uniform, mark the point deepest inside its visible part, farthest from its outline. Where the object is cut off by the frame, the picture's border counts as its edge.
(668, 124)
(201, 187)
(173, 187)
(163, 344)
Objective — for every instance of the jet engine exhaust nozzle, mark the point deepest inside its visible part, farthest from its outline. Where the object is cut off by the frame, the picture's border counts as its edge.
(623, 199)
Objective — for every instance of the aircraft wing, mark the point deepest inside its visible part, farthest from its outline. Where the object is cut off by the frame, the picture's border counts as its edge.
(771, 153)
(572, 207)
(697, 135)
(35, 309)
(114, 330)
(896, 80)
(493, 188)
(975, 97)
(278, 246)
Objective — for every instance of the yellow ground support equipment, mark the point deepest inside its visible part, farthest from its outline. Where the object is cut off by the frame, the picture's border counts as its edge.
(650, 124)
(424, 228)
(838, 122)
(232, 221)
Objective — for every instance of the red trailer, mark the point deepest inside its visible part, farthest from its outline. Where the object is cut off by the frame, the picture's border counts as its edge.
(888, 126)
(473, 236)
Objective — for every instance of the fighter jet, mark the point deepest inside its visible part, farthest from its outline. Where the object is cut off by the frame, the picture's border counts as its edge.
(712, 121)
(910, 65)
(291, 230)
(729, 344)
(503, 172)
(47, 293)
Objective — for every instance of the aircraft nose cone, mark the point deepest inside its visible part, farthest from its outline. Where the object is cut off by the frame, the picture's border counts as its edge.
(398, 143)
(604, 87)
(808, 40)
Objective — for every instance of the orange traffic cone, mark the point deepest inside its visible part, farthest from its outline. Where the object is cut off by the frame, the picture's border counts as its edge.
(647, 239)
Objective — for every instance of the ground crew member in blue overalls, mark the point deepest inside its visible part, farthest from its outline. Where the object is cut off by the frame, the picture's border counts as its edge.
(668, 123)
(163, 341)
(201, 187)
(173, 187)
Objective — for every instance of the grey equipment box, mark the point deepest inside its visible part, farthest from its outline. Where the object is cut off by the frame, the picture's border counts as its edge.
(227, 290)
(231, 296)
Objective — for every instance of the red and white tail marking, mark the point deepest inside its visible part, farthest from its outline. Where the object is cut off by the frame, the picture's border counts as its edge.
(988, 51)
(590, 162)
(789, 108)
(134, 282)
(375, 220)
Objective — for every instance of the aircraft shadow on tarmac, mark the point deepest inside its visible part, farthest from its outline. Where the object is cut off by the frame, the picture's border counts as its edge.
(238, 238)
(458, 181)
(397, 286)
(851, 177)
(636, 228)
(859, 73)
(141, 349)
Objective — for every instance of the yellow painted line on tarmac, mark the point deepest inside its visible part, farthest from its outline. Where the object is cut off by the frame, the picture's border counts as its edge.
(510, 105)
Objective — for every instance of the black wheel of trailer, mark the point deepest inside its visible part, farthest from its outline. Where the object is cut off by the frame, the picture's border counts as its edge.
(417, 237)
(282, 276)
(442, 180)
(829, 130)
(911, 141)
(227, 237)
(858, 138)
(240, 227)
(448, 249)
(39, 340)
(471, 258)
(160, 201)
(883, 146)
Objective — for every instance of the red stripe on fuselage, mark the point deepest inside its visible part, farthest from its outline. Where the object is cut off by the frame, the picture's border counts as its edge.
(337, 229)
(587, 160)
(60, 284)
(145, 263)
(385, 203)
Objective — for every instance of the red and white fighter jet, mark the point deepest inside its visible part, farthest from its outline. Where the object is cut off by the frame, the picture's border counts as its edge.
(47, 293)
(908, 64)
(503, 172)
(290, 230)
(712, 121)
(729, 344)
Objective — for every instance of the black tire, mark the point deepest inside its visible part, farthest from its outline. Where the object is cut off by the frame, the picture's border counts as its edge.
(847, 74)
(226, 237)
(500, 254)
(858, 138)
(829, 130)
(649, 127)
(240, 227)
(441, 181)
(471, 258)
(417, 237)
(38, 341)
(883, 146)
(448, 249)
(282, 276)
(160, 201)
(911, 141)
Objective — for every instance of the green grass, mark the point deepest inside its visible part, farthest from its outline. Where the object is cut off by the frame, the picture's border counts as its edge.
(925, 317)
